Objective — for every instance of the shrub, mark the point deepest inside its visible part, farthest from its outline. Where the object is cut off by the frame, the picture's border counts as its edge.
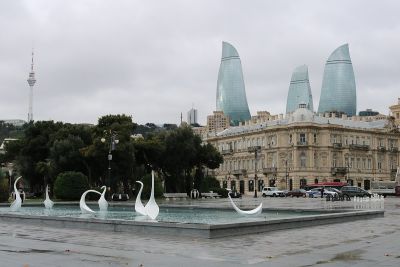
(221, 191)
(70, 185)
(208, 183)
(158, 189)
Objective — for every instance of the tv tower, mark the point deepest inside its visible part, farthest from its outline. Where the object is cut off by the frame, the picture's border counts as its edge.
(31, 81)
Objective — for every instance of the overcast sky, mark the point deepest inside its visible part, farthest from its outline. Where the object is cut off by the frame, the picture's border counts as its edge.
(155, 59)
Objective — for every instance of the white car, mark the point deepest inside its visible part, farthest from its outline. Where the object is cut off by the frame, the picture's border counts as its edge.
(272, 192)
(316, 192)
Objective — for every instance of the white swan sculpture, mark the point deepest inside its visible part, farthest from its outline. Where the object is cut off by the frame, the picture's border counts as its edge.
(16, 205)
(47, 202)
(255, 211)
(82, 202)
(103, 204)
(151, 207)
(139, 208)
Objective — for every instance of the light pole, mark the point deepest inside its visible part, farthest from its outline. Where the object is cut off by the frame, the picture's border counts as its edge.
(113, 141)
(10, 172)
(286, 175)
(255, 150)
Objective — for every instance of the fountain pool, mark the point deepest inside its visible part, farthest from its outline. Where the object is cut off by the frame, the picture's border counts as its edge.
(189, 221)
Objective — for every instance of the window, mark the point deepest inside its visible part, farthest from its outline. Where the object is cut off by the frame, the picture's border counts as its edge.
(369, 164)
(302, 138)
(315, 138)
(303, 160)
(251, 185)
(290, 139)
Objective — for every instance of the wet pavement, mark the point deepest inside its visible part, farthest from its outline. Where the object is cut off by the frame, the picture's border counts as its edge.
(374, 242)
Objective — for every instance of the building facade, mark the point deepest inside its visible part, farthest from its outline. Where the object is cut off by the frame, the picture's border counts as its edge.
(306, 148)
(231, 93)
(192, 116)
(338, 92)
(299, 90)
(395, 110)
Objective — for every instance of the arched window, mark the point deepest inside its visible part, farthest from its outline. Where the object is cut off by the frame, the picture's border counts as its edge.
(251, 185)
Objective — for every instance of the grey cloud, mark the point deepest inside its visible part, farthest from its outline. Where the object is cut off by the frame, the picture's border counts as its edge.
(154, 59)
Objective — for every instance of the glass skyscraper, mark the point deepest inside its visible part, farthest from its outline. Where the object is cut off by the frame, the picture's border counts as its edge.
(231, 94)
(338, 92)
(299, 90)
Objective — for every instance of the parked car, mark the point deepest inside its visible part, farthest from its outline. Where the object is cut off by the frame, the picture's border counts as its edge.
(272, 192)
(354, 191)
(120, 197)
(234, 194)
(339, 193)
(316, 192)
(297, 193)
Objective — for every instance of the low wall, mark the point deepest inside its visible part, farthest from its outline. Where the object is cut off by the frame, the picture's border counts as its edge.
(191, 230)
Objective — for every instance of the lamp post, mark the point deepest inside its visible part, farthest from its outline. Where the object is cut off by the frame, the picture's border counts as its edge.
(112, 136)
(348, 172)
(10, 172)
(255, 150)
(286, 175)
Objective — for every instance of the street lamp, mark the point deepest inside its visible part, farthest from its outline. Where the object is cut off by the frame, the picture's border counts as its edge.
(255, 150)
(10, 172)
(112, 136)
(286, 175)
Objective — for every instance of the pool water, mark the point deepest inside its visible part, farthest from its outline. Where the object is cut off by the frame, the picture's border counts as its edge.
(167, 214)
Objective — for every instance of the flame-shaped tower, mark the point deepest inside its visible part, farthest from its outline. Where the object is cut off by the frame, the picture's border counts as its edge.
(31, 81)
(231, 94)
(299, 90)
(338, 92)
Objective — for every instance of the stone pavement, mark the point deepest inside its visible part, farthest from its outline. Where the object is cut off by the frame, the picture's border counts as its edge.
(374, 242)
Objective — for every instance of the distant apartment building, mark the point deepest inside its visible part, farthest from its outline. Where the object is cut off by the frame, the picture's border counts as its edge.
(395, 110)
(192, 116)
(15, 122)
(217, 122)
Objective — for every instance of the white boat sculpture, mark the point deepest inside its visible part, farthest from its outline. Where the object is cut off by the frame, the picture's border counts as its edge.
(16, 205)
(103, 204)
(47, 202)
(82, 202)
(139, 208)
(151, 207)
(255, 211)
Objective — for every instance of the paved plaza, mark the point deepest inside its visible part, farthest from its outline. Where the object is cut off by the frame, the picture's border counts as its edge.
(374, 242)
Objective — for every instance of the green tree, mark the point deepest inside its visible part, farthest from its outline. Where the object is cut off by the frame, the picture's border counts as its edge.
(35, 147)
(123, 156)
(3, 188)
(179, 155)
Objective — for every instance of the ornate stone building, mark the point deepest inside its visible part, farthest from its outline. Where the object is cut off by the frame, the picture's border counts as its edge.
(306, 148)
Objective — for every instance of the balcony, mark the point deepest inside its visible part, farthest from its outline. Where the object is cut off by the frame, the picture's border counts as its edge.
(226, 151)
(359, 147)
(339, 170)
(337, 145)
(269, 170)
(394, 149)
(238, 172)
(302, 143)
(381, 148)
